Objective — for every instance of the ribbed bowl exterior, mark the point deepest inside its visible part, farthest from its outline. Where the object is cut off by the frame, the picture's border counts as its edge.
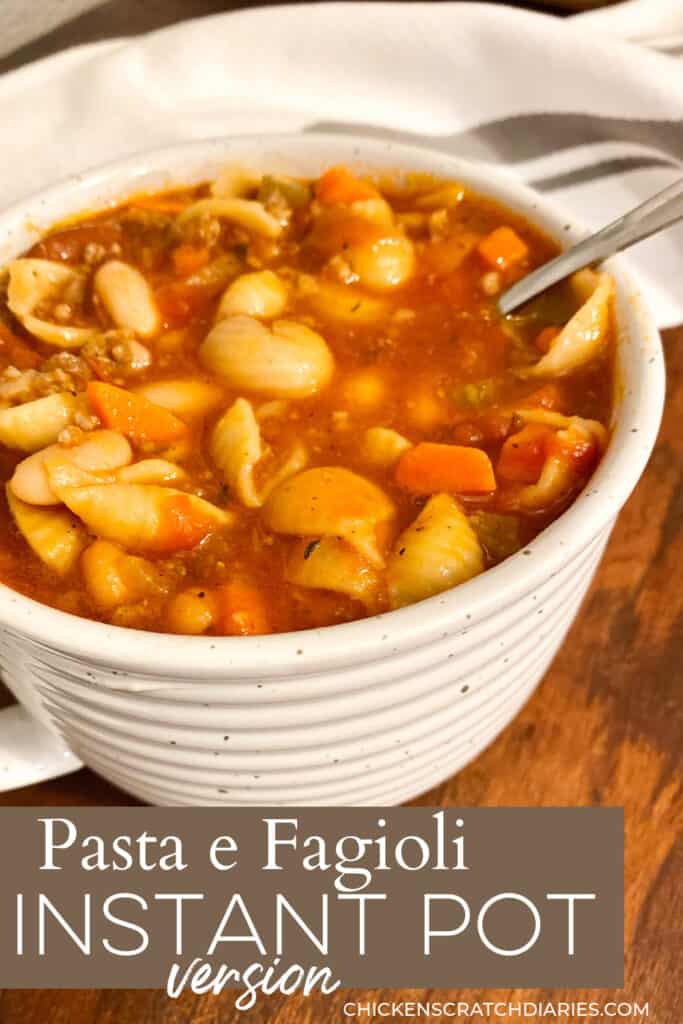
(364, 733)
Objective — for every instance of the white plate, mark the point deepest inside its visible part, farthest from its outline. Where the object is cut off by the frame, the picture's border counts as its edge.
(597, 122)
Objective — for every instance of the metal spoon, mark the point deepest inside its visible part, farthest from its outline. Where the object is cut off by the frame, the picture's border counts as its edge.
(655, 214)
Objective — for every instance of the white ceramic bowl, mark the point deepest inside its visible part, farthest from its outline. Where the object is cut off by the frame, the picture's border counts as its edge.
(370, 712)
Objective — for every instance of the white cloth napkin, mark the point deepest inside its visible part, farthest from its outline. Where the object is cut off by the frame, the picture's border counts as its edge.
(595, 122)
(657, 24)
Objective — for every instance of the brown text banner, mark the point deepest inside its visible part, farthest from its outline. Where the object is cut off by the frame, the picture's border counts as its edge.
(371, 897)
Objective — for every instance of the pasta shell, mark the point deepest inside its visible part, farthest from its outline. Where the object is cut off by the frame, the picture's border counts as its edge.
(112, 577)
(246, 212)
(261, 294)
(286, 359)
(331, 501)
(54, 535)
(332, 564)
(101, 450)
(236, 448)
(34, 425)
(556, 482)
(436, 552)
(35, 281)
(383, 446)
(141, 517)
(593, 428)
(583, 338)
(188, 398)
(152, 471)
(128, 298)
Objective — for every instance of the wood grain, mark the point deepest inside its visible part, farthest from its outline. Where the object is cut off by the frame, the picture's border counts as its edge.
(605, 727)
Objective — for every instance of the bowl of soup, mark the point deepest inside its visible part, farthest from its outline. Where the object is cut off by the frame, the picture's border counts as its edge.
(292, 514)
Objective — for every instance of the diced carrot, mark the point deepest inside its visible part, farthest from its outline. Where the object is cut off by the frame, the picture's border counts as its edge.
(338, 185)
(503, 249)
(241, 610)
(142, 421)
(16, 351)
(523, 454)
(183, 524)
(188, 259)
(168, 203)
(546, 337)
(428, 468)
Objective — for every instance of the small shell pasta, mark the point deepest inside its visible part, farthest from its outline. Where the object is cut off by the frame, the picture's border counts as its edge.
(250, 214)
(332, 564)
(189, 399)
(113, 578)
(555, 483)
(33, 425)
(140, 517)
(101, 451)
(331, 501)
(152, 471)
(383, 446)
(384, 264)
(33, 282)
(262, 294)
(237, 449)
(436, 552)
(287, 359)
(127, 297)
(591, 428)
(55, 536)
(583, 338)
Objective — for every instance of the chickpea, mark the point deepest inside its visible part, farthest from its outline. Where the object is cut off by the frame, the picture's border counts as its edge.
(190, 612)
(384, 264)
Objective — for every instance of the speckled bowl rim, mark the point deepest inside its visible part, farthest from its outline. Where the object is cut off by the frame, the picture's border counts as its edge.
(318, 650)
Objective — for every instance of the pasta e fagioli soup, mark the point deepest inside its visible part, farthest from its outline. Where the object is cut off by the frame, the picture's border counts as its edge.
(265, 403)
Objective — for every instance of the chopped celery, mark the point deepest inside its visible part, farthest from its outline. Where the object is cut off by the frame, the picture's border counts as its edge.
(500, 536)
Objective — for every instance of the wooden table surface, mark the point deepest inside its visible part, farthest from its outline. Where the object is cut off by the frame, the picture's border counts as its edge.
(605, 727)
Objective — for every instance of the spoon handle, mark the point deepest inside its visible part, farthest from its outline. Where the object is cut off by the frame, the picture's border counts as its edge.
(655, 214)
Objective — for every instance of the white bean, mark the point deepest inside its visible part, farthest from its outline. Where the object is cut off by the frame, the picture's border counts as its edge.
(101, 451)
(261, 294)
(127, 298)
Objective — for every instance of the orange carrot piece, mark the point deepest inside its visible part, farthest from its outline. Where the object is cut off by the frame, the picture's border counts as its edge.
(188, 259)
(545, 338)
(241, 610)
(523, 454)
(428, 468)
(184, 524)
(503, 249)
(142, 421)
(338, 185)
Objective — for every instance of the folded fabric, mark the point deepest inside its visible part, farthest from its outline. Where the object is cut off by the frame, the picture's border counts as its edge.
(593, 121)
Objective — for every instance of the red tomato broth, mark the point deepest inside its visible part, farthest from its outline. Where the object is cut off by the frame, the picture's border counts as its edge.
(448, 364)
